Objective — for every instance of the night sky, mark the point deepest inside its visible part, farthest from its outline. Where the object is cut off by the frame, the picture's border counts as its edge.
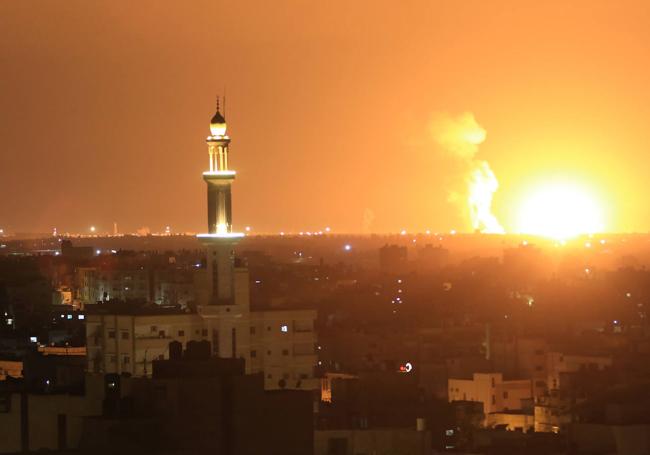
(105, 105)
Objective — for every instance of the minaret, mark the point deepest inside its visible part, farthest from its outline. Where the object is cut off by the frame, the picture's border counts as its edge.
(219, 240)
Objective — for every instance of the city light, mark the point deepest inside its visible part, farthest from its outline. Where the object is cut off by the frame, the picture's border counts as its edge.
(347, 247)
(93, 228)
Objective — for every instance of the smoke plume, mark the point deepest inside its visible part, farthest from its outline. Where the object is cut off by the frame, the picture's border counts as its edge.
(461, 136)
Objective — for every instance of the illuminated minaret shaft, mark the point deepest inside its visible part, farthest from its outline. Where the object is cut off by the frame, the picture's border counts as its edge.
(220, 240)
(219, 178)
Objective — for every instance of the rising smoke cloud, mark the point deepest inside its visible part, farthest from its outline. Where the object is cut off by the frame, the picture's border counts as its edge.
(461, 136)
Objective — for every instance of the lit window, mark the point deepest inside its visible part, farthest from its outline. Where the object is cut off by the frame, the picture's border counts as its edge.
(284, 328)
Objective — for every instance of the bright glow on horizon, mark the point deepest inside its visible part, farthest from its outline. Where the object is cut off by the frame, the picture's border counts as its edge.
(561, 211)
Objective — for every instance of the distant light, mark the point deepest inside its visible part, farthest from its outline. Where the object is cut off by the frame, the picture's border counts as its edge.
(81, 317)
(56, 253)
(427, 232)
(402, 232)
(282, 233)
(33, 339)
(284, 328)
(47, 382)
(197, 265)
(588, 245)
(98, 251)
(587, 271)
(69, 316)
(525, 243)
(114, 251)
(62, 316)
(615, 321)
(628, 295)
(347, 247)
(2, 231)
(258, 281)
(453, 232)
(603, 241)
(92, 229)
(399, 281)
(300, 233)
(10, 321)
(406, 368)
(247, 228)
(327, 229)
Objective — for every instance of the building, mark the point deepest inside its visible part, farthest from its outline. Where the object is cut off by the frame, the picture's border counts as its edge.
(279, 344)
(393, 259)
(496, 394)
(559, 364)
(192, 403)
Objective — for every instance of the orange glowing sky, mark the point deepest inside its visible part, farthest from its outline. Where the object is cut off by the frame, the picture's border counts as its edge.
(104, 107)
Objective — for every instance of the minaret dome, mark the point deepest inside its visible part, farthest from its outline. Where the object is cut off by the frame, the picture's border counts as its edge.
(218, 123)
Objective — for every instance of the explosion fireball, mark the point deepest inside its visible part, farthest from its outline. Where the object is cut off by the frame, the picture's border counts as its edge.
(561, 211)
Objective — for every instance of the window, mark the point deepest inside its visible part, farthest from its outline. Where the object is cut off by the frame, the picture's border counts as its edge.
(268, 329)
(269, 376)
(125, 335)
(126, 360)
(285, 352)
(304, 376)
(253, 354)
(505, 394)
(268, 352)
(494, 399)
(161, 333)
(286, 376)
(539, 368)
(111, 334)
(154, 329)
(204, 332)
(492, 382)
(112, 359)
(252, 330)
(181, 333)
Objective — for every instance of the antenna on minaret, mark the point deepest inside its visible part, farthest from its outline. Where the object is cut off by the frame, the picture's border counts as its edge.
(224, 101)
(217, 103)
